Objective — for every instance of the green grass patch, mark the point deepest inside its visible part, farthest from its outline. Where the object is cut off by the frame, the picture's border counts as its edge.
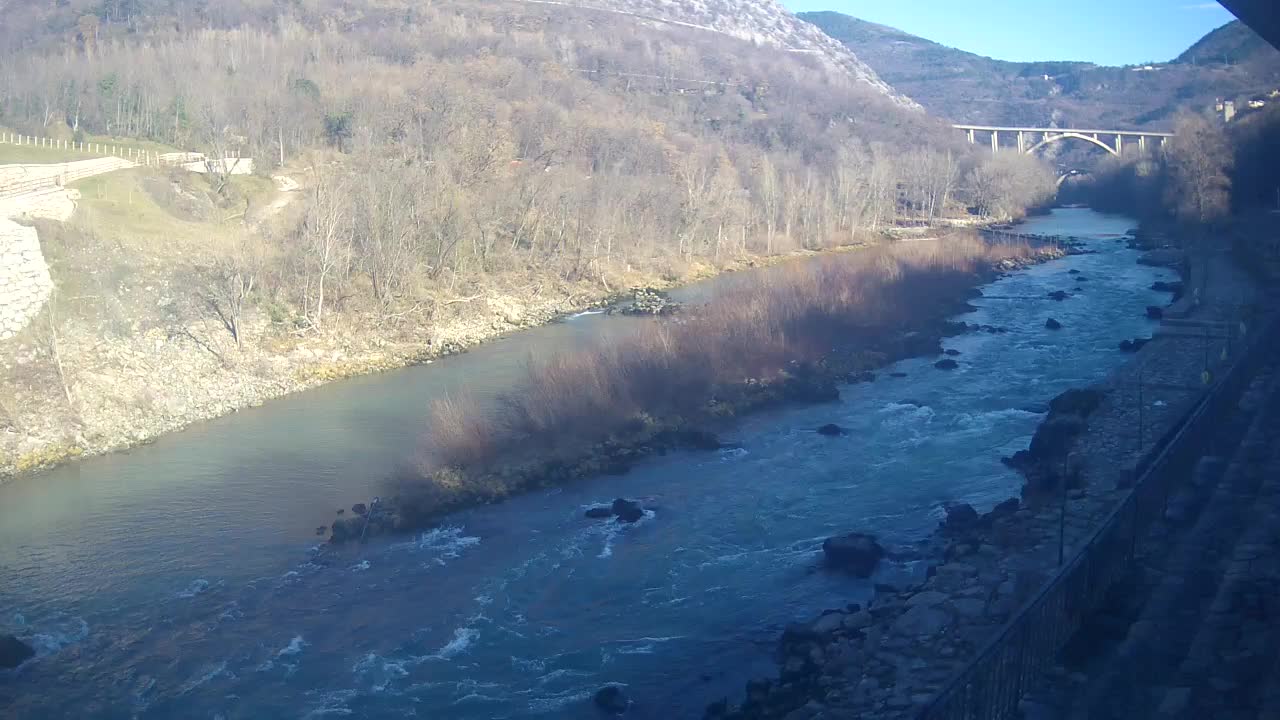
(118, 208)
(31, 154)
(98, 146)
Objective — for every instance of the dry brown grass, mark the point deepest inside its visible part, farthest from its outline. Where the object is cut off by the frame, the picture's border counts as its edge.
(754, 329)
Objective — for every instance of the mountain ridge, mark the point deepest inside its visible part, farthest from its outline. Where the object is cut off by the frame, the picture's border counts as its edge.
(1230, 62)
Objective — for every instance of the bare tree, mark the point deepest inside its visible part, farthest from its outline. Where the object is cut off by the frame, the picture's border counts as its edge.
(325, 236)
(227, 293)
(1198, 158)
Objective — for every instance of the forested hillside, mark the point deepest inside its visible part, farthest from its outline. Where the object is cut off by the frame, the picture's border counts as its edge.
(465, 168)
(1231, 62)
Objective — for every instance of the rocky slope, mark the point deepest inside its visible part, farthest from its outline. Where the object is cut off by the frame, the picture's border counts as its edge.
(765, 22)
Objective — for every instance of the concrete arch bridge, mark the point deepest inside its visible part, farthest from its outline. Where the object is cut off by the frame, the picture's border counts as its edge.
(1029, 139)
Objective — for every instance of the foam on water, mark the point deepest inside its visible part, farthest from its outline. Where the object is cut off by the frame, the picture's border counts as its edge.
(332, 703)
(294, 647)
(360, 566)
(204, 675)
(462, 639)
(473, 698)
(58, 635)
(196, 587)
(380, 672)
(544, 704)
(442, 544)
(534, 665)
(562, 674)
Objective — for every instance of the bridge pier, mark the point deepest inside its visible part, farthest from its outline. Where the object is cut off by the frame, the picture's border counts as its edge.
(1142, 143)
(1120, 145)
(995, 141)
(970, 136)
(1022, 143)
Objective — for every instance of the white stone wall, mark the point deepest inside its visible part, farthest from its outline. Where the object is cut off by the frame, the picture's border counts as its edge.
(25, 284)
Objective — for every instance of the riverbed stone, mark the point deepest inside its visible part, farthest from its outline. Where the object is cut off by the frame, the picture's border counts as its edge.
(831, 430)
(969, 608)
(828, 623)
(1052, 324)
(14, 652)
(1077, 401)
(628, 511)
(961, 518)
(612, 699)
(857, 553)
(928, 598)
(857, 620)
(946, 364)
(922, 620)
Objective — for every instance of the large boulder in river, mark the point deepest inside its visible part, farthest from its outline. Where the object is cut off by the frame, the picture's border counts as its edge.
(1055, 436)
(1174, 287)
(1155, 312)
(831, 430)
(346, 529)
(14, 652)
(599, 513)
(1052, 324)
(961, 518)
(856, 553)
(946, 364)
(628, 511)
(1058, 295)
(611, 699)
(1079, 401)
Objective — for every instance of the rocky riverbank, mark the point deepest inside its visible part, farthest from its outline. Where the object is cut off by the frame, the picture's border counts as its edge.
(417, 503)
(890, 659)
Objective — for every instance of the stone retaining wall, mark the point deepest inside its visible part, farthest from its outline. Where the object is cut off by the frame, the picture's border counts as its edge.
(25, 284)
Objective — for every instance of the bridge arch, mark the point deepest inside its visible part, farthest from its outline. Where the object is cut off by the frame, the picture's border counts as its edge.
(1075, 135)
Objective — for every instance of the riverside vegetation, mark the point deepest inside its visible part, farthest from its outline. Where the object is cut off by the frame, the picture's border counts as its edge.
(465, 168)
(784, 334)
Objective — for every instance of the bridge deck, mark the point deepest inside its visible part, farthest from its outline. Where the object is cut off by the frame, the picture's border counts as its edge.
(1131, 133)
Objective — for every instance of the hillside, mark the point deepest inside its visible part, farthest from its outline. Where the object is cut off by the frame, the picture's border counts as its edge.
(427, 176)
(1232, 44)
(1231, 62)
(764, 22)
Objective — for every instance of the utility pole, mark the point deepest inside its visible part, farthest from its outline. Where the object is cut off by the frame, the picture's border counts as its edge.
(1062, 513)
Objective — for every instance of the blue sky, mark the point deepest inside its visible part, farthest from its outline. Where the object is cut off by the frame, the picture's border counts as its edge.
(1107, 32)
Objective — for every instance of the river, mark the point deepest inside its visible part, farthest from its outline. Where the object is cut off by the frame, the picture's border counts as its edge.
(183, 580)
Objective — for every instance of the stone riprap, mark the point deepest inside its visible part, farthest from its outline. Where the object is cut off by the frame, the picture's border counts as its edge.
(34, 191)
(25, 284)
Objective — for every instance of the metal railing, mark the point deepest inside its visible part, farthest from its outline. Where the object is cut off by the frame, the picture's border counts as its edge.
(994, 682)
